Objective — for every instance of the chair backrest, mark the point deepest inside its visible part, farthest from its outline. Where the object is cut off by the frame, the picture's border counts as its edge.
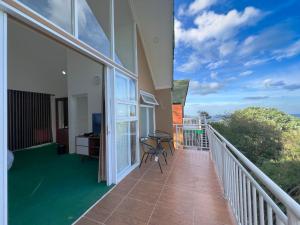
(144, 141)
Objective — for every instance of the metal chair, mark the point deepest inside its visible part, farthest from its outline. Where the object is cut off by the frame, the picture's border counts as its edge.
(168, 140)
(152, 151)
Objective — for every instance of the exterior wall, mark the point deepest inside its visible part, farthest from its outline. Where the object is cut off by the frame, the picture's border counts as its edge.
(144, 74)
(177, 112)
(164, 110)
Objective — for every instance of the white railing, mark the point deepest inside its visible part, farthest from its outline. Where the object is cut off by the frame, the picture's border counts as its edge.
(243, 186)
(190, 137)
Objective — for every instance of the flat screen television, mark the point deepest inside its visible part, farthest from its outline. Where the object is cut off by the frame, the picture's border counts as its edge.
(96, 123)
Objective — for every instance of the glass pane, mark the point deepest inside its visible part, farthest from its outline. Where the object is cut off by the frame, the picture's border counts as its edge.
(121, 88)
(57, 11)
(124, 34)
(151, 120)
(143, 121)
(94, 24)
(132, 87)
(122, 110)
(123, 143)
(132, 110)
(133, 146)
(148, 99)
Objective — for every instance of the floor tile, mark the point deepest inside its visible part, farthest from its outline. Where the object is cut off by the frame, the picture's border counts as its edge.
(103, 209)
(146, 191)
(136, 209)
(86, 221)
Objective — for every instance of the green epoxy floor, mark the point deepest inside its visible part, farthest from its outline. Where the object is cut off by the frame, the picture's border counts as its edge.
(49, 189)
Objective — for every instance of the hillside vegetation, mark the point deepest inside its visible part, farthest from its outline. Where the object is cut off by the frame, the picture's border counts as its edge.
(271, 140)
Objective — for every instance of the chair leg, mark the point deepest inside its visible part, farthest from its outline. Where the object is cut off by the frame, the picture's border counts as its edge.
(147, 158)
(164, 155)
(159, 166)
(142, 159)
(170, 147)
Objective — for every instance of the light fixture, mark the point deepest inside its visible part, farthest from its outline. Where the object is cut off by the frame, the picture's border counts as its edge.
(63, 72)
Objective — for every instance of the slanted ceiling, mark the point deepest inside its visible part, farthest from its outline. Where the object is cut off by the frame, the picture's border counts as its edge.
(155, 22)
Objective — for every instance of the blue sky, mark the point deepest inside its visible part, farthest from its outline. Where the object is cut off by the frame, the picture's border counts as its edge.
(238, 53)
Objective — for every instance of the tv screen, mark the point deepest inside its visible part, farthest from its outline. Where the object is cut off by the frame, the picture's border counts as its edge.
(96, 123)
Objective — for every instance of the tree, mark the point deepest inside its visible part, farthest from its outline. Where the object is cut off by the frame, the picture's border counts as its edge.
(204, 114)
(271, 140)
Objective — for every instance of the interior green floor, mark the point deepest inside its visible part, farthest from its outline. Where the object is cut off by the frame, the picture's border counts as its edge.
(49, 189)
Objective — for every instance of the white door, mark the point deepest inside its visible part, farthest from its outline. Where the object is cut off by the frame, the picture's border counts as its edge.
(126, 124)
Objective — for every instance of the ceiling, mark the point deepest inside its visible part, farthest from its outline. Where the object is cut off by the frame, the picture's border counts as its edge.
(155, 23)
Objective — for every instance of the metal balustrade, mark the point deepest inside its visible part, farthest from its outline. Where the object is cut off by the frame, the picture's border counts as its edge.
(247, 189)
(191, 134)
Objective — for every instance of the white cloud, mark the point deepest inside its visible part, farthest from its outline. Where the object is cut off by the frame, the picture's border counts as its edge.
(178, 30)
(191, 64)
(265, 41)
(246, 73)
(255, 62)
(288, 52)
(214, 75)
(227, 48)
(181, 10)
(232, 78)
(216, 65)
(271, 83)
(213, 26)
(199, 5)
(204, 88)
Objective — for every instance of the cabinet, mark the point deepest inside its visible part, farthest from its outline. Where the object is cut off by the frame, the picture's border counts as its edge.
(88, 146)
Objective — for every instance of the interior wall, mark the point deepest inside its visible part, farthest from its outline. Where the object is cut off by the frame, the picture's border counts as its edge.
(84, 79)
(164, 110)
(35, 63)
(82, 114)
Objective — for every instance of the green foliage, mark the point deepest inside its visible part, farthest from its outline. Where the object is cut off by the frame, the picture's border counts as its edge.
(205, 114)
(270, 139)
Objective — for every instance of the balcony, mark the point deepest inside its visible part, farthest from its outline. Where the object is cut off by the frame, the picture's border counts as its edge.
(215, 187)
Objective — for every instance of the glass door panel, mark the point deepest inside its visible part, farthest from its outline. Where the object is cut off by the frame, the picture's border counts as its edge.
(123, 144)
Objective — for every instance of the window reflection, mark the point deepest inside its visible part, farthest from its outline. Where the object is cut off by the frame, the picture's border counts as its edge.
(94, 24)
(124, 34)
(57, 11)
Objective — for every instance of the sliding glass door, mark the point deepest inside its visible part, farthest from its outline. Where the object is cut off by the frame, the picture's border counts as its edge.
(126, 123)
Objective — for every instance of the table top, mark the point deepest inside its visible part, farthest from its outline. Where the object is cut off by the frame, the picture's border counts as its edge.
(158, 135)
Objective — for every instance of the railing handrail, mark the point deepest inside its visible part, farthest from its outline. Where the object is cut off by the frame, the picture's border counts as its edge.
(280, 194)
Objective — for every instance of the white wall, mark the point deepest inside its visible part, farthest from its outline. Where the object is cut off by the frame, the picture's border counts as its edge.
(84, 78)
(81, 114)
(35, 63)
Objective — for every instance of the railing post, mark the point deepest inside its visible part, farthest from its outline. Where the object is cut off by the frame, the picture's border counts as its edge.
(176, 130)
(292, 219)
(224, 169)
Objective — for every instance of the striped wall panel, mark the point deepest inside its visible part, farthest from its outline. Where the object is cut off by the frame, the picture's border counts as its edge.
(29, 119)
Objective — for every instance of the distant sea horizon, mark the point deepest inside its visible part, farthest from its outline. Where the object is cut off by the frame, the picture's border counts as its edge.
(216, 118)
(296, 115)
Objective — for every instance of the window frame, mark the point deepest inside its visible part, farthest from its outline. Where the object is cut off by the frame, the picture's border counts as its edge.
(129, 119)
(144, 93)
(147, 112)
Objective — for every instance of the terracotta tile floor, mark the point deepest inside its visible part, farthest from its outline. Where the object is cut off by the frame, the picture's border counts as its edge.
(187, 193)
